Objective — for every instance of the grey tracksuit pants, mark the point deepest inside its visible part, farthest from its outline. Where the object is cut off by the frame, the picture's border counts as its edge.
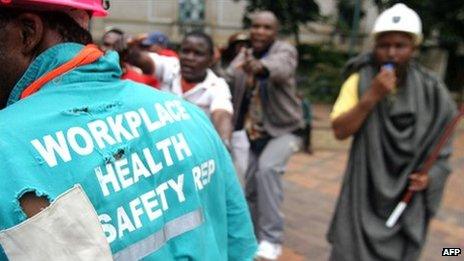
(264, 186)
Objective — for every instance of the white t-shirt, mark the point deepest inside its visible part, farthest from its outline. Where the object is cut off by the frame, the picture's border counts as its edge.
(210, 95)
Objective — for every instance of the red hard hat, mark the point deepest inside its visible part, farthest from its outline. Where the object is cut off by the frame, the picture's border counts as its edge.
(96, 7)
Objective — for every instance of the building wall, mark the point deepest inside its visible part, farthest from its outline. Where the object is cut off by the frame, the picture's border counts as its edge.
(222, 18)
(139, 16)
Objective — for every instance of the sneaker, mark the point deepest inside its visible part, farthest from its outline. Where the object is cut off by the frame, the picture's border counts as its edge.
(268, 250)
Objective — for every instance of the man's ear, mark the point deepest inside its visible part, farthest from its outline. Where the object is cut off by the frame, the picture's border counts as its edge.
(32, 29)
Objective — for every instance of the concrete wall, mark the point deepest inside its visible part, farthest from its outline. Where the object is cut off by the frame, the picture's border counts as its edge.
(222, 18)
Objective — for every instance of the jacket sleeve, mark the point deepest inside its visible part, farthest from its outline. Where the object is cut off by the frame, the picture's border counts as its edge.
(241, 240)
(281, 63)
(231, 70)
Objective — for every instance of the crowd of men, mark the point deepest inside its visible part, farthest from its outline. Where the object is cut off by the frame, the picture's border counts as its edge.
(99, 165)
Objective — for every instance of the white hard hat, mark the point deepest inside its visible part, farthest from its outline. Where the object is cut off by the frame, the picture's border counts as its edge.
(399, 18)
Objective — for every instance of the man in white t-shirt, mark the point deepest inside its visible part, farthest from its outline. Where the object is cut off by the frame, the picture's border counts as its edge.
(190, 77)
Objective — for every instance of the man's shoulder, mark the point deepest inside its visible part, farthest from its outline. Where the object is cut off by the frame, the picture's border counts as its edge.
(427, 74)
(43, 109)
(432, 82)
(140, 95)
(142, 92)
(131, 112)
(281, 45)
(213, 79)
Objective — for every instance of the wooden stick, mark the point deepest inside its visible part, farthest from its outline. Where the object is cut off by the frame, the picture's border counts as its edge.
(399, 209)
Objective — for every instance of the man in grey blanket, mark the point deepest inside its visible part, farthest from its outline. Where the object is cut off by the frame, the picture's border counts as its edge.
(396, 111)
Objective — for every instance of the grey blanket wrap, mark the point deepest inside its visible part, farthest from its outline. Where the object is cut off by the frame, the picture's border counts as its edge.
(393, 142)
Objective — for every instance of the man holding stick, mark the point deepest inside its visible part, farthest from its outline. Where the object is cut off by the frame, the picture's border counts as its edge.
(396, 111)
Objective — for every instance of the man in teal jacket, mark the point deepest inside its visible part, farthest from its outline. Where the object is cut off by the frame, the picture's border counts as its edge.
(94, 167)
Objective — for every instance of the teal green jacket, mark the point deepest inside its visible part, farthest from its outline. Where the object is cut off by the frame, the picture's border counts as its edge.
(141, 155)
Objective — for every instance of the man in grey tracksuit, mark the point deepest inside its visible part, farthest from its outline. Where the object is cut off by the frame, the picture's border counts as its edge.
(263, 85)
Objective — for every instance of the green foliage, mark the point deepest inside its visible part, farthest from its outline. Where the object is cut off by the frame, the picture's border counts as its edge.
(319, 72)
(344, 22)
(291, 13)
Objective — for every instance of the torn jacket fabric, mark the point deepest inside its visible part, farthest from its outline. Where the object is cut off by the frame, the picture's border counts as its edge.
(152, 165)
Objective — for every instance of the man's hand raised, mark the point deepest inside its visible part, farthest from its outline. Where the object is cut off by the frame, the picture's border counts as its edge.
(383, 84)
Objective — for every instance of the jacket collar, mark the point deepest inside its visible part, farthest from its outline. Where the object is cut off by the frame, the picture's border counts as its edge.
(207, 83)
(105, 67)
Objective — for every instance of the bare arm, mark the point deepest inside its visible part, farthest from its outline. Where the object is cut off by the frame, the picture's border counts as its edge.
(222, 121)
(349, 122)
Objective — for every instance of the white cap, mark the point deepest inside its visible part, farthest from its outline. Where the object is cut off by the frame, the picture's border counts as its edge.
(399, 18)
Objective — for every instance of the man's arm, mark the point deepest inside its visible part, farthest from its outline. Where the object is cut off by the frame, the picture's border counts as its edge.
(222, 121)
(142, 60)
(279, 66)
(282, 64)
(221, 110)
(164, 67)
(349, 122)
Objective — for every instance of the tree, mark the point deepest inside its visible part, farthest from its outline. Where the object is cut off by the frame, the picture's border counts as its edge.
(291, 13)
(346, 9)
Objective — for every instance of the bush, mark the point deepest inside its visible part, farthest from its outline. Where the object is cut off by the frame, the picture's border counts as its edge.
(319, 72)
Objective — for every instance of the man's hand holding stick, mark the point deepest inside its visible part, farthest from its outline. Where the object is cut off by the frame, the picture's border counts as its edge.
(420, 180)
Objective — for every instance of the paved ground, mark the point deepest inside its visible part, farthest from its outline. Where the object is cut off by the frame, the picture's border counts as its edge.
(312, 184)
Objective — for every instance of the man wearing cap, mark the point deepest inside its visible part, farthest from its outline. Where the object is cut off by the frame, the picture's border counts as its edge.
(395, 110)
(97, 168)
(235, 43)
(157, 42)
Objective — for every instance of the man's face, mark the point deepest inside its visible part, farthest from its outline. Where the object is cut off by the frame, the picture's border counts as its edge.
(109, 41)
(397, 47)
(263, 32)
(12, 61)
(195, 58)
